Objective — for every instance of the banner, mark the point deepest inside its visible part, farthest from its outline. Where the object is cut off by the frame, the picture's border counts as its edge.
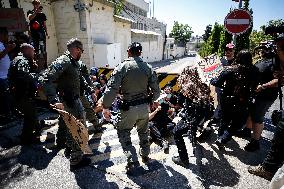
(211, 67)
(13, 19)
(78, 131)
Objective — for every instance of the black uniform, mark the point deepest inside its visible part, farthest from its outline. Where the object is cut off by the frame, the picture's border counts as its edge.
(193, 116)
(237, 84)
(23, 85)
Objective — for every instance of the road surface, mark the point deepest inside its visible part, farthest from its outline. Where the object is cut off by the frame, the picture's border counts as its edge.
(40, 166)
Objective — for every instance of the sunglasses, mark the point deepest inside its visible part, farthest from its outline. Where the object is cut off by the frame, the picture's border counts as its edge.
(82, 50)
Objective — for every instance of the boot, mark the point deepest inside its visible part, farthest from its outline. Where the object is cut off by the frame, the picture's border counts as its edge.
(178, 161)
(261, 172)
(252, 146)
(83, 163)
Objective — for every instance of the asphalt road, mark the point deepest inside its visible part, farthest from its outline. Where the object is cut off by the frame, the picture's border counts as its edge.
(39, 166)
(174, 66)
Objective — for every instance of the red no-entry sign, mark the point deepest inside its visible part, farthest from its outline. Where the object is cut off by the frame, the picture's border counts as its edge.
(238, 21)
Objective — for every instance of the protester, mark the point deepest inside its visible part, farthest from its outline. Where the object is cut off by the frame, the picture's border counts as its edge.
(23, 86)
(159, 121)
(275, 157)
(265, 95)
(197, 110)
(237, 82)
(38, 31)
(5, 101)
(225, 61)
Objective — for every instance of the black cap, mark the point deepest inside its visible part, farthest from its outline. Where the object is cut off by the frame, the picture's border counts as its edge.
(135, 46)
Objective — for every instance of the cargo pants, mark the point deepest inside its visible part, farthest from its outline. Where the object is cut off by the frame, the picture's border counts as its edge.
(64, 135)
(136, 116)
(90, 113)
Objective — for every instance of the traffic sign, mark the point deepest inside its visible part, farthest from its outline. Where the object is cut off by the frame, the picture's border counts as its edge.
(238, 21)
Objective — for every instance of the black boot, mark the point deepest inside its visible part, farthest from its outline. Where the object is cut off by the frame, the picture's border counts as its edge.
(178, 161)
(83, 163)
(252, 146)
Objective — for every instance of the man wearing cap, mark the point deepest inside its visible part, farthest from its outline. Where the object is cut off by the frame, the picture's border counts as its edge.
(225, 61)
(275, 157)
(64, 76)
(229, 55)
(22, 81)
(132, 79)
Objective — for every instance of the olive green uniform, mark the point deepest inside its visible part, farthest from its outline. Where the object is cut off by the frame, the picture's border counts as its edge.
(22, 80)
(132, 79)
(90, 113)
(64, 76)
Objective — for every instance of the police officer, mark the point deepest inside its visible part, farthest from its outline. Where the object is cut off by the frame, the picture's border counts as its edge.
(132, 79)
(88, 89)
(63, 76)
(22, 81)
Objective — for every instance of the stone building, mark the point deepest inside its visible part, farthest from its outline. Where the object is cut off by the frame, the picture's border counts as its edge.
(148, 31)
(105, 36)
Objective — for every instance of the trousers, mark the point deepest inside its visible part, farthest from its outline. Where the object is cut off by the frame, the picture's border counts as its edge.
(64, 136)
(136, 116)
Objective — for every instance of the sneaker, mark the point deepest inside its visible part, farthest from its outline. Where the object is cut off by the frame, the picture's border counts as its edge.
(261, 172)
(83, 163)
(252, 146)
(178, 161)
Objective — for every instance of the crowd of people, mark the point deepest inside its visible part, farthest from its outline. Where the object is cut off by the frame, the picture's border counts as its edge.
(245, 92)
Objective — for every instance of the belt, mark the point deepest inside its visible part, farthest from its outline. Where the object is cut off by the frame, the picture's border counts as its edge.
(137, 102)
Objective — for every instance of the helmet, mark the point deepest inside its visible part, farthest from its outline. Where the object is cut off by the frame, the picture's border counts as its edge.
(94, 71)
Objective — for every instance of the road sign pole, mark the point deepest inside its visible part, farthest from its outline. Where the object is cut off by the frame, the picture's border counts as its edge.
(235, 36)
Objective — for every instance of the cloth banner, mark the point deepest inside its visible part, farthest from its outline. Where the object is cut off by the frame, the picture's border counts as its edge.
(211, 67)
(78, 131)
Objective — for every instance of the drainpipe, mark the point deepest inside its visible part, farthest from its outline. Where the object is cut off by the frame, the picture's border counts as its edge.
(81, 8)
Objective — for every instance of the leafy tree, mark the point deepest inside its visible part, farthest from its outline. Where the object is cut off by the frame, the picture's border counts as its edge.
(119, 4)
(256, 37)
(215, 40)
(181, 33)
(207, 33)
(225, 38)
(212, 44)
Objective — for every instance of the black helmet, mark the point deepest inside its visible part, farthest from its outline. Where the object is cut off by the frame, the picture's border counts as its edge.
(135, 47)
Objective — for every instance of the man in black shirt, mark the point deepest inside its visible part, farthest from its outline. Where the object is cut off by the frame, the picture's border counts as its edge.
(266, 94)
(38, 29)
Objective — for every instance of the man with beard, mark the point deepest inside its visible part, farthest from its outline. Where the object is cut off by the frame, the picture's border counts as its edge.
(63, 82)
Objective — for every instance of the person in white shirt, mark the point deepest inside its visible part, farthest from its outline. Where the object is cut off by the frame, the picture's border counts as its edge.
(4, 67)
